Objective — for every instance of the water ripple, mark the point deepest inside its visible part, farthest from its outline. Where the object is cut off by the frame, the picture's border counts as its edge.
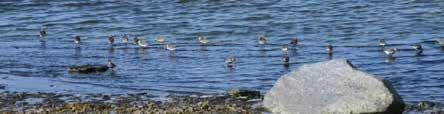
(232, 27)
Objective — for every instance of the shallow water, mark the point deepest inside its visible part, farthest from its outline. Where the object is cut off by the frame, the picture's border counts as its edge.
(28, 63)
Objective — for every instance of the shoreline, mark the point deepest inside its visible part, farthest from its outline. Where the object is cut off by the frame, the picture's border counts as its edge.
(23, 102)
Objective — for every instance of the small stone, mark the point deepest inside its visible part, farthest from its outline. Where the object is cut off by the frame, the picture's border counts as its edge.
(106, 97)
(424, 105)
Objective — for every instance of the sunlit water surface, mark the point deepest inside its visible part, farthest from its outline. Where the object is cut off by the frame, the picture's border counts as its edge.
(28, 63)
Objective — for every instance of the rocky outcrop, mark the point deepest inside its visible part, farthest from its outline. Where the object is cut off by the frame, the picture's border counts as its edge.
(332, 87)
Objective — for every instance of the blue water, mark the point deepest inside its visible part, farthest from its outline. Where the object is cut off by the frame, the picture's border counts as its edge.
(28, 63)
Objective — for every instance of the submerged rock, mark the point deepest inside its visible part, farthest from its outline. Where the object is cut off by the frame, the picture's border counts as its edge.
(332, 87)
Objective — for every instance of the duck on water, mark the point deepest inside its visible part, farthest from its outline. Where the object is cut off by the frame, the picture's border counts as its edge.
(92, 68)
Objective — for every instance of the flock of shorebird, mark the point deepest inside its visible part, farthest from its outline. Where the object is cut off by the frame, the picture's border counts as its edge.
(230, 60)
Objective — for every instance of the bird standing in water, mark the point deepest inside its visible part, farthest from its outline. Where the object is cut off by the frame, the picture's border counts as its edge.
(136, 40)
(418, 48)
(111, 64)
(142, 43)
(125, 38)
(284, 48)
(294, 41)
(77, 39)
(111, 39)
(229, 60)
(440, 42)
(160, 39)
(286, 60)
(390, 51)
(170, 47)
(329, 49)
(42, 32)
(203, 39)
(382, 42)
(262, 40)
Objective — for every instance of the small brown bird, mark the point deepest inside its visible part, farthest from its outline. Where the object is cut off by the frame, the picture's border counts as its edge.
(229, 60)
(136, 40)
(286, 60)
(142, 43)
(329, 48)
(125, 38)
(170, 47)
(382, 43)
(262, 39)
(203, 39)
(111, 39)
(77, 39)
(390, 51)
(440, 42)
(284, 47)
(160, 39)
(42, 32)
(418, 48)
(111, 64)
(294, 41)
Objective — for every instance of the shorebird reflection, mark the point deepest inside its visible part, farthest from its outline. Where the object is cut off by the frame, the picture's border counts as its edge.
(111, 50)
(330, 56)
(43, 44)
(171, 56)
(203, 51)
(390, 59)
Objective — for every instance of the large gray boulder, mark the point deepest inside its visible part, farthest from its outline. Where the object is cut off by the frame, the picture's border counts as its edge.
(333, 86)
